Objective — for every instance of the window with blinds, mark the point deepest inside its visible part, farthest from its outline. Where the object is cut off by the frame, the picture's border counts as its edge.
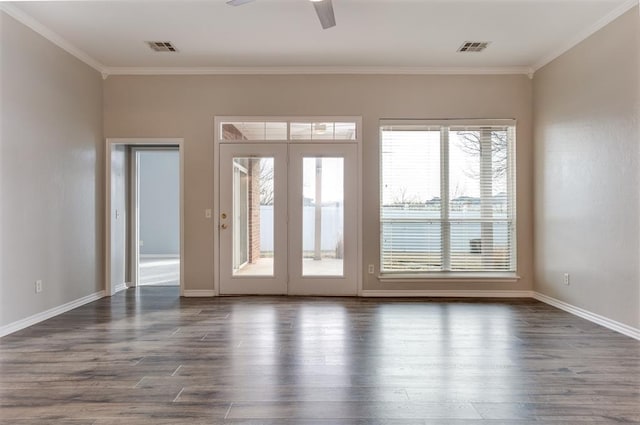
(447, 197)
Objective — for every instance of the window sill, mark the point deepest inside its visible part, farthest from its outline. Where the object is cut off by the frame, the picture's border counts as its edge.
(449, 277)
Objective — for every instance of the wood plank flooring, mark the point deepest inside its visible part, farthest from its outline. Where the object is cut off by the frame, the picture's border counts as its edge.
(150, 357)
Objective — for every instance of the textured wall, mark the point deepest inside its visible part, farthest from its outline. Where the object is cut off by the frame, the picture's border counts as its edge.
(587, 216)
(51, 172)
(184, 106)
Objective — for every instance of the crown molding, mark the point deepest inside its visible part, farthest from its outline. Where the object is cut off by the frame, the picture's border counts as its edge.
(56, 39)
(317, 70)
(59, 41)
(598, 25)
(39, 28)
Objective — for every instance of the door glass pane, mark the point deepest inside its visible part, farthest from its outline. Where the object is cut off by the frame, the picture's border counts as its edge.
(253, 223)
(323, 217)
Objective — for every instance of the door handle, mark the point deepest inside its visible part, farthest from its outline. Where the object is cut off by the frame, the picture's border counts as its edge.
(223, 226)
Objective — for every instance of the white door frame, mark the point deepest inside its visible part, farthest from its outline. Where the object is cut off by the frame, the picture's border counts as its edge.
(234, 226)
(138, 142)
(276, 283)
(217, 120)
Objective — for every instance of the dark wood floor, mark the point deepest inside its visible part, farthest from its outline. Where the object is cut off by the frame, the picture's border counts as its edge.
(152, 358)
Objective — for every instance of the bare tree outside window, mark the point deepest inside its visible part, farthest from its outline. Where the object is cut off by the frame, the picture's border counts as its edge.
(266, 183)
(401, 196)
(470, 144)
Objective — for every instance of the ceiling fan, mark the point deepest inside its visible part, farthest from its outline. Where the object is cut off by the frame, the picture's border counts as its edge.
(324, 10)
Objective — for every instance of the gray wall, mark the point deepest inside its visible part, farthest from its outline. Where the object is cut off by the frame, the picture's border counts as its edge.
(51, 175)
(159, 202)
(184, 107)
(587, 215)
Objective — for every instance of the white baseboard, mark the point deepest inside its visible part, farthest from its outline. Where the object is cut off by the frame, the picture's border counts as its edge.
(48, 314)
(447, 293)
(198, 293)
(119, 287)
(160, 255)
(592, 317)
(622, 328)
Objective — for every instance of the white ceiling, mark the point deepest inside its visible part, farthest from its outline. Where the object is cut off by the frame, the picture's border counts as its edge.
(286, 33)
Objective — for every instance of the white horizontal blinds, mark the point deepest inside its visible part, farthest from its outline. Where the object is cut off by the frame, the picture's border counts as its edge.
(479, 199)
(469, 169)
(410, 213)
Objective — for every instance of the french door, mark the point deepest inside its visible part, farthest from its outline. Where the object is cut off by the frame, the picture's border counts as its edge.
(288, 218)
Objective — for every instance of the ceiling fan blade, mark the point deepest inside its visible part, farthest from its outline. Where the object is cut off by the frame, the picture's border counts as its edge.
(324, 10)
(238, 2)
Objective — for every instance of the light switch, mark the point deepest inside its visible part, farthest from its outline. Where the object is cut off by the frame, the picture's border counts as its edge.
(207, 213)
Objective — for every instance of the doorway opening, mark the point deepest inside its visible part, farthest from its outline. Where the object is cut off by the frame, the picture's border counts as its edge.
(144, 229)
(156, 218)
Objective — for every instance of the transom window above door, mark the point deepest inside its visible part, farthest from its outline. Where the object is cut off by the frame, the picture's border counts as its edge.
(299, 129)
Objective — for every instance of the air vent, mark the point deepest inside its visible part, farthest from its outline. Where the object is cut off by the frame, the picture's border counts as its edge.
(473, 46)
(162, 46)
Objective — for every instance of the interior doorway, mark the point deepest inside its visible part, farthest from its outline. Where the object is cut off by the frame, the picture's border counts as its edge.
(156, 216)
(144, 206)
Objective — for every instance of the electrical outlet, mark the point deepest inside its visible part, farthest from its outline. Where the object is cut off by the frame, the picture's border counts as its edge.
(38, 286)
(565, 279)
(371, 269)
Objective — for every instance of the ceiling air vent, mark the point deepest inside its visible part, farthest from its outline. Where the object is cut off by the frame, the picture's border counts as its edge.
(473, 46)
(162, 46)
